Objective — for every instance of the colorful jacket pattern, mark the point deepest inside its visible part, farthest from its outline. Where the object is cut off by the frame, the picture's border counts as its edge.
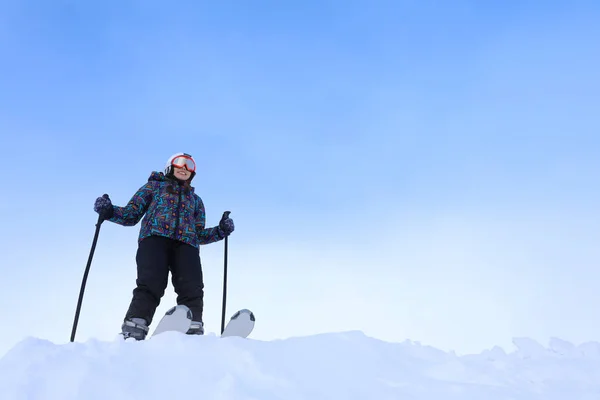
(178, 215)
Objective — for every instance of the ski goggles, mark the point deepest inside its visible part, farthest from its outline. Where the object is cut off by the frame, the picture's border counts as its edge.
(184, 162)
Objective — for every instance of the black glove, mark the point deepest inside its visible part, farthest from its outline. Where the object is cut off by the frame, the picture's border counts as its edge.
(226, 225)
(104, 207)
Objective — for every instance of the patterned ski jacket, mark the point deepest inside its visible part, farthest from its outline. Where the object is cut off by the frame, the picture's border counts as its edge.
(178, 215)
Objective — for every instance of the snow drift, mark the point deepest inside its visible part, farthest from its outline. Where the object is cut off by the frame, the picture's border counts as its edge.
(323, 367)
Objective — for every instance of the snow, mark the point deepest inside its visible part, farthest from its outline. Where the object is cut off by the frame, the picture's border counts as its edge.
(347, 365)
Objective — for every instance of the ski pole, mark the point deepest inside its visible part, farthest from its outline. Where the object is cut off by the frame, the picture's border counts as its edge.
(225, 216)
(85, 274)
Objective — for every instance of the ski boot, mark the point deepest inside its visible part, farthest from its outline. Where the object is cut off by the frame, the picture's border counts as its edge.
(135, 328)
(196, 328)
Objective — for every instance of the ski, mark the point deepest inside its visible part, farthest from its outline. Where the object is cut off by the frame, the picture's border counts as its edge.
(177, 319)
(241, 324)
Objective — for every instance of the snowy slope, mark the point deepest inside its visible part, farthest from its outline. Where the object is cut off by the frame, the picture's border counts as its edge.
(324, 367)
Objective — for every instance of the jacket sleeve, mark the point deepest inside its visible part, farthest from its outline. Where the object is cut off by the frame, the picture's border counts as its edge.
(205, 235)
(135, 209)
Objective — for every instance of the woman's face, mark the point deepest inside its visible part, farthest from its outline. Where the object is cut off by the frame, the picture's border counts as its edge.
(182, 173)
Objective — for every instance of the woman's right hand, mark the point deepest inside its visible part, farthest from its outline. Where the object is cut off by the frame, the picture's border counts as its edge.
(103, 206)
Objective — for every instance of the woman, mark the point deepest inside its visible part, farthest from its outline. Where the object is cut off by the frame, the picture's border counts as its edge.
(171, 232)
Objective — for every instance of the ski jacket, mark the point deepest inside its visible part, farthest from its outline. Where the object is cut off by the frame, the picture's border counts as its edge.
(178, 215)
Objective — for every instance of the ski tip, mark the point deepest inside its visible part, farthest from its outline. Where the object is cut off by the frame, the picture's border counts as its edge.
(171, 310)
(188, 312)
(244, 311)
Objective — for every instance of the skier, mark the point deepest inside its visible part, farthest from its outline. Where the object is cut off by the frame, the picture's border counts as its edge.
(171, 232)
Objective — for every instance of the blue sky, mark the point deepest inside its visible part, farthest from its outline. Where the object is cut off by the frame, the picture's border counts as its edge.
(416, 170)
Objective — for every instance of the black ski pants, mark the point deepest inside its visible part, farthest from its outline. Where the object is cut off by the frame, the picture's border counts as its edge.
(156, 257)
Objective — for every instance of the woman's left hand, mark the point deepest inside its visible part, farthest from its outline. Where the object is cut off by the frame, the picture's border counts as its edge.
(226, 226)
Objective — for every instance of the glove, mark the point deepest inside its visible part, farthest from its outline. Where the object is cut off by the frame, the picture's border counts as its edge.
(104, 207)
(226, 226)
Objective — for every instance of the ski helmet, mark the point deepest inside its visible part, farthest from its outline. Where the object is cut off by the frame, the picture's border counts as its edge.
(183, 160)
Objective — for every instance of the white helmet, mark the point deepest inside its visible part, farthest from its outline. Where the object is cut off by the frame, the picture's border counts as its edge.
(181, 160)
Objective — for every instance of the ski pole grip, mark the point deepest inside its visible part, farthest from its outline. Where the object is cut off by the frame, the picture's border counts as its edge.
(103, 215)
(225, 215)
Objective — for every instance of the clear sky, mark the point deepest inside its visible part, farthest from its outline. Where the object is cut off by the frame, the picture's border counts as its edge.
(414, 169)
